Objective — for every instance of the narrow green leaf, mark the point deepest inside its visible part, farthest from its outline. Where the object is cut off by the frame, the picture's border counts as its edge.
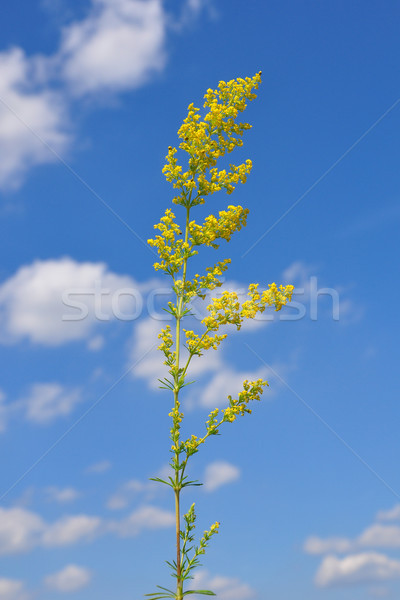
(159, 480)
(203, 592)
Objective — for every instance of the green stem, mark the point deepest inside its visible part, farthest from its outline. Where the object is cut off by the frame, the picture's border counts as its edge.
(178, 469)
(179, 583)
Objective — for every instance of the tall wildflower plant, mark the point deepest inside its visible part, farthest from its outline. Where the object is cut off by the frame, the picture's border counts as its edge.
(204, 140)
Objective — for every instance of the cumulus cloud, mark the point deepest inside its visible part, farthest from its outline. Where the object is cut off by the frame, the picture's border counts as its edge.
(380, 536)
(12, 589)
(145, 517)
(368, 567)
(70, 579)
(22, 530)
(226, 588)
(51, 302)
(61, 495)
(375, 536)
(316, 545)
(48, 401)
(389, 515)
(363, 563)
(117, 47)
(31, 119)
(219, 473)
(42, 404)
(99, 467)
(70, 530)
(129, 491)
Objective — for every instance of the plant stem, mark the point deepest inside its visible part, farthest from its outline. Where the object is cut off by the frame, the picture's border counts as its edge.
(178, 545)
(178, 474)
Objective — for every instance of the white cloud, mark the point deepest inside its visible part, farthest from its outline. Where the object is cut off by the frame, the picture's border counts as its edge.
(70, 579)
(145, 517)
(26, 109)
(56, 301)
(12, 589)
(316, 545)
(144, 349)
(298, 274)
(49, 401)
(392, 514)
(42, 404)
(96, 343)
(219, 473)
(117, 47)
(375, 536)
(71, 529)
(62, 495)
(368, 567)
(99, 467)
(226, 588)
(20, 530)
(125, 494)
(383, 536)
(363, 564)
(191, 10)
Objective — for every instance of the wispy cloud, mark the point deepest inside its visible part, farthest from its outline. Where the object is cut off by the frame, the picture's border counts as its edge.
(70, 579)
(129, 491)
(226, 588)
(99, 467)
(143, 518)
(368, 567)
(392, 514)
(22, 530)
(219, 473)
(61, 495)
(42, 404)
(12, 589)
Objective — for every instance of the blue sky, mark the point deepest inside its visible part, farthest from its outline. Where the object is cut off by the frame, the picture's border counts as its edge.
(307, 489)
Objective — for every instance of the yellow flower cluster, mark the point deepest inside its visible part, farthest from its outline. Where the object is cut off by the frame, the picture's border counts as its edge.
(177, 417)
(226, 309)
(222, 180)
(223, 311)
(214, 228)
(192, 444)
(273, 296)
(171, 250)
(166, 343)
(200, 283)
(206, 537)
(252, 390)
(196, 343)
(207, 140)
